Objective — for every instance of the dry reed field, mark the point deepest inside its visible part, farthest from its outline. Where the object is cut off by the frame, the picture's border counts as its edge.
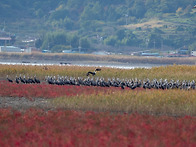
(154, 102)
(175, 72)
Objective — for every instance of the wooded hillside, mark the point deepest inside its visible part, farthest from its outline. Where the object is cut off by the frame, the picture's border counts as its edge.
(149, 24)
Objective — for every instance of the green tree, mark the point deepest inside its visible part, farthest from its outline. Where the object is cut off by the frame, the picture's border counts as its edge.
(121, 34)
(75, 4)
(154, 41)
(130, 39)
(75, 41)
(192, 47)
(68, 23)
(84, 43)
(38, 43)
(60, 14)
(93, 11)
(51, 39)
(138, 9)
(111, 40)
(111, 14)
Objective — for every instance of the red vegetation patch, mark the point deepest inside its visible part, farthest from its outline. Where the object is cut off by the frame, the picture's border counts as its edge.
(71, 128)
(48, 91)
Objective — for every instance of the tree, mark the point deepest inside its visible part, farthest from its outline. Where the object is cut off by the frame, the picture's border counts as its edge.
(68, 23)
(84, 43)
(60, 14)
(75, 4)
(111, 14)
(38, 43)
(39, 13)
(164, 6)
(93, 11)
(138, 9)
(130, 39)
(52, 39)
(111, 40)
(120, 34)
(192, 47)
(154, 41)
(75, 41)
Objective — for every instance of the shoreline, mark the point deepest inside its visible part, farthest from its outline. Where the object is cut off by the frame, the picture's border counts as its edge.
(92, 60)
(84, 63)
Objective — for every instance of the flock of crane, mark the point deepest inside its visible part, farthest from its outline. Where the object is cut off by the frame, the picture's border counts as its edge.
(116, 82)
(110, 82)
(24, 80)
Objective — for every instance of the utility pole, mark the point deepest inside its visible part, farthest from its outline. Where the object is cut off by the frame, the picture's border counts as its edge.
(4, 26)
(147, 41)
(5, 45)
(126, 18)
(79, 47)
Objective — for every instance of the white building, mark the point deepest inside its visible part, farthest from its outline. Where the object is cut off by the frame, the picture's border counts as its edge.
(9, 49)
(193, 53)
(14, 49)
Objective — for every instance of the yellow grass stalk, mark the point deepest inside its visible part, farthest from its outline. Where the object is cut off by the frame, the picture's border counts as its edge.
(176, 72)
(165, 102)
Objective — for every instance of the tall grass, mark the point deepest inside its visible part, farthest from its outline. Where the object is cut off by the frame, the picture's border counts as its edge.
(176, 72)
(168, 102)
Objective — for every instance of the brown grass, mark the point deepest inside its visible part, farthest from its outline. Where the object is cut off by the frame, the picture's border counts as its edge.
(176, 72)
(152, 23)
(168, 102)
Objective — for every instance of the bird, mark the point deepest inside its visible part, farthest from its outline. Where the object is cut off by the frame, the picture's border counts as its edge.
(98, 69)
(50, 80)
(9, 80)
(17, 80)
(36, 80)
(90, 72)
(93, 72)
(22, 80)
(30, 80)
(194, 6)
(122, 85)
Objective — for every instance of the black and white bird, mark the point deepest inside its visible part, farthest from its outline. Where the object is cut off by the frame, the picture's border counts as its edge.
(93, 72)
(9, 80)
(17, 80)
(194, 6)
(22, 80)
(36, 80)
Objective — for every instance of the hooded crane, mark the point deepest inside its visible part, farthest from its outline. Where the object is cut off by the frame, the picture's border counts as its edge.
(22, 80)
(9, 80)
(17, 80)
(94, 72)
(36, 80)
